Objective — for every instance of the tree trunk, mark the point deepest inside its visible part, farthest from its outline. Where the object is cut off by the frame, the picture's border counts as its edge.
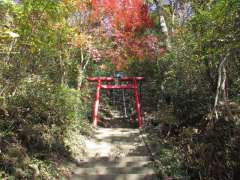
(63, 71)
(163, 24)
(221, 88)
(80, 77)
(81, 68)
(174, 5)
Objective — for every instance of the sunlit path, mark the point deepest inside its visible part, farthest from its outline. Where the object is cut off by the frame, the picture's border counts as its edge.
(117, 153)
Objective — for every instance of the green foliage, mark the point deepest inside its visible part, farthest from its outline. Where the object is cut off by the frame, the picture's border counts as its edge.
(198, 50)
(169, 163)
(38, 110)
(186, 78)
(42, 116)
(49, 104)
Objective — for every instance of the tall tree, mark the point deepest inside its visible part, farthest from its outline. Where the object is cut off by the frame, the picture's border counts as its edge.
(124, 23)
(162, 21)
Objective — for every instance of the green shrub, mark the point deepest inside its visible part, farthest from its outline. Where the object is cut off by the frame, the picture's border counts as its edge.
(40, 117)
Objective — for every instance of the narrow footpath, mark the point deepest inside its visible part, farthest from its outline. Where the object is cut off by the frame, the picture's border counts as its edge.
(115, 154)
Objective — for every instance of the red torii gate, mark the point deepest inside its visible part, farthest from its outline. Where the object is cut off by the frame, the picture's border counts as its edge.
(132, 84)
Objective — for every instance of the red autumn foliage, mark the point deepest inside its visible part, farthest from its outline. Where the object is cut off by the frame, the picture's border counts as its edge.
(162, 50)
(123, 15)
(139, 47)
(124, 20)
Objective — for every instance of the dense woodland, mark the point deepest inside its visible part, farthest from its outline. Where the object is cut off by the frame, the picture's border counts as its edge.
(187, 50)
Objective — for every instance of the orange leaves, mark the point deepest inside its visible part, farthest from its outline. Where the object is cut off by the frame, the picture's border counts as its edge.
(81, 40)
(82, 4)
(79, 5)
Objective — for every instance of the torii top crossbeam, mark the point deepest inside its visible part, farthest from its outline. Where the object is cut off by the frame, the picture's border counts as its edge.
(109, 79)
(132, 84)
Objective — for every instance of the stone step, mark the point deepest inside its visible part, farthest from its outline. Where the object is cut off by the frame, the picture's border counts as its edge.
(103, 170)
(116, 131)
(115, 177)
(115, 164)
(236, 110)
(135, 161)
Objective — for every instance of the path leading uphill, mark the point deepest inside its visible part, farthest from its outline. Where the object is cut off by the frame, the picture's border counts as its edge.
(115, 154)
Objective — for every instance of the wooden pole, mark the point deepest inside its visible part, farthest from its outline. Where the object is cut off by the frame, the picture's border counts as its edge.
(96, 104)
(138, 105)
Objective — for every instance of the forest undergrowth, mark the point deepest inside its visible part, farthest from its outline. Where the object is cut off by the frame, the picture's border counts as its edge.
(41, 129)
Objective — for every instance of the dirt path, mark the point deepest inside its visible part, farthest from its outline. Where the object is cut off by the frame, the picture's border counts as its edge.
(115, 154)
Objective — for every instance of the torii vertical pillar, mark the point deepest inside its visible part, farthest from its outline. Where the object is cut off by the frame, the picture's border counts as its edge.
(96, 104)
(138, 104)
